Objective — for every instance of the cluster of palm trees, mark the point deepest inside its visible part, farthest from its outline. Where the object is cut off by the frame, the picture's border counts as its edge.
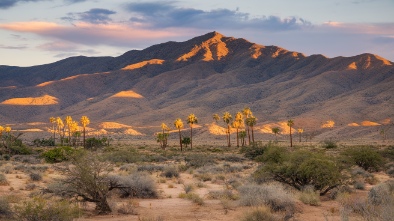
(242, 118)
(70, 126)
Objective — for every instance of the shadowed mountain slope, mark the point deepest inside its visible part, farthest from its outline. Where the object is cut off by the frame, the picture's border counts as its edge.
(205, 75)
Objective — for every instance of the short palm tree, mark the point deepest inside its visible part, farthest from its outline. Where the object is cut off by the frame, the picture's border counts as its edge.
(227, 119)
(216, 117)
(300, 131)
(242, 135)
(275, 130)
(290, 123)
(60, 129)
(247, 112)
(191, 119)
(85, 121)
(179, 125)
(237, 124)
(164, 136)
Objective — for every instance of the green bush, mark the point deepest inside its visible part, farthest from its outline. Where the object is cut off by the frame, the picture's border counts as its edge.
(251, 152)
(170, 171)
(94, 143)
(44, 142)
(301, 168)
(58, 154)
(366, 157)
(329, 144)
(123, 156)
(199, 160)
(21, 149)
(46, 210)
(309, 196)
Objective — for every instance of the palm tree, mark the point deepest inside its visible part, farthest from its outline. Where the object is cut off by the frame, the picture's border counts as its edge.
(191, 119)
(53, 122)
(251, 121)
(275, 130)
(84, 122)
(68, 120)
(227, 119)
(165, 135)
(238, 123)
(247, 112)
(60, 129)
(290, 123)
(242, 135)
(300, 131)
(179, 125)
(216, 117)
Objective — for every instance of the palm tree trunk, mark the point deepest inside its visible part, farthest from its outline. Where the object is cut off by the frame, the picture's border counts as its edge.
(84, 144)
(180, 138)
(249, 135)
(237, 138)
(54, 134)
(252, 135)
(229, 142)
(291, 139)
(191, 137)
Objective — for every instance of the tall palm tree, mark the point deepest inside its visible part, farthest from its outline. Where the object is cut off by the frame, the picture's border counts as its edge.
(237, 124)
(242, 135)
(68, 120)
(227, 119)
(179, 125)
(275, 130)
(60, 129)
(247, 112)
(290, 123)
(52, 120)
(300, 131)
(84, 122)
(251, 121)
(191, 119)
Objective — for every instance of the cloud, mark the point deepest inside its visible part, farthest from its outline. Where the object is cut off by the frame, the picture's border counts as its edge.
(4, 4)
(94, 16)
(13, 47)
(166, 14)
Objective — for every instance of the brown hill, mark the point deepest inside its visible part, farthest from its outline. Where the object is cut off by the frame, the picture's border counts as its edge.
(205, 75)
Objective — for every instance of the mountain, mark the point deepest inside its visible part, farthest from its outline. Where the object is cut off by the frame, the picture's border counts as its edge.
(205, 75)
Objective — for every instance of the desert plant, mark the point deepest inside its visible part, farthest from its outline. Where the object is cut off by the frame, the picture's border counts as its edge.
(366, 157)
(301, 168)
(3, 180)
(46, 210)
(179, 125)
(191, 119)
(309, 196)
(261, 213)
(329, 144)
(290, 123)
(195, 198)
(147, 167)
(199, 160)
(5, 208)
(186, 141)
(58, 154)
(272, 195)
(227, 119)
(35, 176)
(139, 185)
(170, 171)
(223, 195)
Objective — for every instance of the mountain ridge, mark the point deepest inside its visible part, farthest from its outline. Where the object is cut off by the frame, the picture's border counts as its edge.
(207, 74)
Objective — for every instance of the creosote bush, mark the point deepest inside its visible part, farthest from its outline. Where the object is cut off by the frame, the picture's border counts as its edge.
(46, 210)
(366, 157)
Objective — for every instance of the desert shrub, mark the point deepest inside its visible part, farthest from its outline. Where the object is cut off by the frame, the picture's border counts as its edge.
(252, 152)
(5, 208)
(188, 188)
(139, 185)
(334, 193)
(150, 168)
(366, 157)
(46, 210)
(58, 154)
(127, 167)
(301, 168)
(388, 153)
(21, 149)
(359, 184)
(204, 177)
(329, 144)
(273, 155)
(199, 160)
(232, 168)
(170, 171)
(390, 171)
(35, 176)
(127, 208)
(30, 186)
(382, 193)
(232, 158)
(3, 180)
(195, 198)
(6, 157)
(31, 159)
(94, 143)
(259, 214)
(309, 196)
(272, 195)
(44, 142)
(123, 156)
(222, 195)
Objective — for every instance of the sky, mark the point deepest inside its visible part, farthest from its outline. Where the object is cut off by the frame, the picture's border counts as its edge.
(35, 32)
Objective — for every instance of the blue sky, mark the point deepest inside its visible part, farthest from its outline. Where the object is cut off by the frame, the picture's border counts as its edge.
(34, 32)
